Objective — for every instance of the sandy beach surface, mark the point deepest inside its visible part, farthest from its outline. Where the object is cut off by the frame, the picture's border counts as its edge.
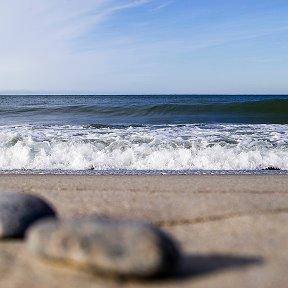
(233, 229)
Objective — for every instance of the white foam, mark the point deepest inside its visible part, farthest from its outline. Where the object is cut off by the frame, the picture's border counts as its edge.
(208, 147)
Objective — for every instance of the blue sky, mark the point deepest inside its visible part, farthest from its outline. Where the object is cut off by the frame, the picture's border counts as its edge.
(144, 46)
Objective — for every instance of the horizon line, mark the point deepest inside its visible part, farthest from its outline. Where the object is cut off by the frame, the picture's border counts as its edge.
(142, 94)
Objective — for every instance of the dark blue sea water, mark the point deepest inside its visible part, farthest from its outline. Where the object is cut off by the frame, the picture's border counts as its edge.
(154, 133)
(146, 109)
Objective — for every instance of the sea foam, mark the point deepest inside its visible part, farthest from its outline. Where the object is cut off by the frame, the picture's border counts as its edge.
(169, 147)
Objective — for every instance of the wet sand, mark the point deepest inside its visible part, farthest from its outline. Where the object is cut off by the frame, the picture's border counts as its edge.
(233, 229)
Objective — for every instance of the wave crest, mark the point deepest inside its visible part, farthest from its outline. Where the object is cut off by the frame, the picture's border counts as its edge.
(184, 147)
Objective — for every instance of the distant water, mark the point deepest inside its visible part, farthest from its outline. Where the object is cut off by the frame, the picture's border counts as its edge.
(143, 134)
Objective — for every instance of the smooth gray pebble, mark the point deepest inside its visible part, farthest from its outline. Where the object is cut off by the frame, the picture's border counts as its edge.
(18, 211)
(106, 245)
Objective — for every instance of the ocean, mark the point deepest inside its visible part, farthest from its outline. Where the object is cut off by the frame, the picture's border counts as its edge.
(143, 134)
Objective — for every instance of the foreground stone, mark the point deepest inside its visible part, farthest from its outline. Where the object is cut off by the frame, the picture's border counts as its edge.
(104, 245)
(18, 211)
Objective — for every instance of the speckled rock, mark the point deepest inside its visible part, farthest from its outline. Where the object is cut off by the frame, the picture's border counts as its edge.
(105, 245)
(20, 210)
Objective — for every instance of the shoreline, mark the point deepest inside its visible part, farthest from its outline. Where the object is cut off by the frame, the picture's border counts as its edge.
(92, 172)
(194, 182)
(232, 228)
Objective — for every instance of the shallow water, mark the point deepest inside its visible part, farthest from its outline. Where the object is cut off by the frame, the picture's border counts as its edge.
(135, 134)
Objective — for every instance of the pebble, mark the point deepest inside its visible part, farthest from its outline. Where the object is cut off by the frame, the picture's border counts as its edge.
(20, 210)
(105, 245)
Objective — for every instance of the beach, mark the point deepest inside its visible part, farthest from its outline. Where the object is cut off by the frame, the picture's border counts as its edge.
(143, 144)
(232, 228)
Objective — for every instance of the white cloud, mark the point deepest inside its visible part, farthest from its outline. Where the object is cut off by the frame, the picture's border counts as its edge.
(163, 5)
(46, 45)
(36, 37)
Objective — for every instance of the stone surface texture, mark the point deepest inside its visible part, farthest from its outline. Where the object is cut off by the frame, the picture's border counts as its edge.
(105, 245)
(18, 211)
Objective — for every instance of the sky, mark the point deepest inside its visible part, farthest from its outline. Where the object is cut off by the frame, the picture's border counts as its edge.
(144, 46)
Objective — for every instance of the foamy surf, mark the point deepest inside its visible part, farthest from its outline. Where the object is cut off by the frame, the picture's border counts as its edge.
(168, 147)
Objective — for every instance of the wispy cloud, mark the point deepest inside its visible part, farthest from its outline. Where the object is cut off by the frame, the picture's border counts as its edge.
(163, 5)
(130, 44)
(36, 41)
(60, 18)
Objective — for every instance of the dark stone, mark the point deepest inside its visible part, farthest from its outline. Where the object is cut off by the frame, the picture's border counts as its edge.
(20, 210)
(271, 168)
(105, 245)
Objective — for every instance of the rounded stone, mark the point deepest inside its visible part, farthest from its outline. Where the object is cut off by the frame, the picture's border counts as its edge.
(105, 245)
(20, 210)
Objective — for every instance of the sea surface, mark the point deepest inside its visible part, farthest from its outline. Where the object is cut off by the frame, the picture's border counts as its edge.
(143, 134)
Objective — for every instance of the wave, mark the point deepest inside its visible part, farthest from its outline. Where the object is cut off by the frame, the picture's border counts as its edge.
(255, 107)
(174, 147)
(256, 111)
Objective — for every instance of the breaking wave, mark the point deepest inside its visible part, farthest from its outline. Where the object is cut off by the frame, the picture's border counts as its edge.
(146, 147)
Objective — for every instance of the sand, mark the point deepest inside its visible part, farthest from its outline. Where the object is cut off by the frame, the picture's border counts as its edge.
(233, 229)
